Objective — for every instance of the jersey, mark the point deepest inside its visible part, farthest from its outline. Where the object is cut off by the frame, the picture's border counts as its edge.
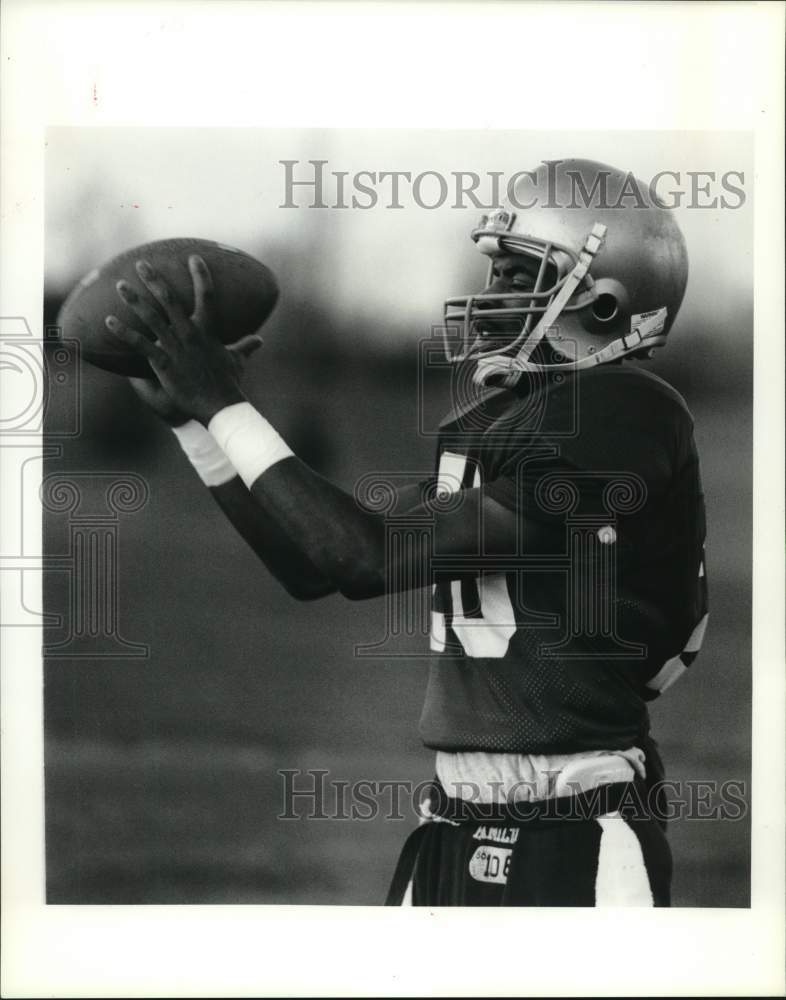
(558, 646)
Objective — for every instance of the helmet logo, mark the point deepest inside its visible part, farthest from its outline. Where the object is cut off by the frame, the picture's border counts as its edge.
(499, 221)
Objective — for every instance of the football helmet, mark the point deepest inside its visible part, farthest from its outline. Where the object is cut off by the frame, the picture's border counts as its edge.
(608, 273)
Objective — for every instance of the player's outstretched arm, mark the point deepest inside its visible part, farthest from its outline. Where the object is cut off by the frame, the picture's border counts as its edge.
(352, 546)
(294, 571)
(343, 541)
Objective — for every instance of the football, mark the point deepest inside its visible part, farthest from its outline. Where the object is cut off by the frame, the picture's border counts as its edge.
(245, 291)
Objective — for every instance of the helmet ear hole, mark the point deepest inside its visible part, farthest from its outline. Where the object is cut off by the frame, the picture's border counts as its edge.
(605, 307)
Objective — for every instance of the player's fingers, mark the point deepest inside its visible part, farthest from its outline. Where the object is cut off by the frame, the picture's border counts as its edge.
(163, 294)
(204, 293)
(145, 386)
(145, 310)
(138, 342)
(141, 385)
(246, 346)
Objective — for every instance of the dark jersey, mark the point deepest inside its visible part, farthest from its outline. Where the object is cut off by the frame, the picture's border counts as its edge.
(557, 646)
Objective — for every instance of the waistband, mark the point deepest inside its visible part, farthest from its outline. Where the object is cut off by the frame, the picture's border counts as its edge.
(486, 777)
(626, 797)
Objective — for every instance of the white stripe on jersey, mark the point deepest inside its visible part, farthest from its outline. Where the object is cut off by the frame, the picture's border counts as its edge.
(437, 640)
(622, 878)
(693, 645)
(670, 672)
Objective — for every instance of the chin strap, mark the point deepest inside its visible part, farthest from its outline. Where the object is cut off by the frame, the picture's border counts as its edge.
(592, 245)
(511, 366)
(646, 332)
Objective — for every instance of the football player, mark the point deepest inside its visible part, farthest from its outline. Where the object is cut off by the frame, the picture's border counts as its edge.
(564, 546)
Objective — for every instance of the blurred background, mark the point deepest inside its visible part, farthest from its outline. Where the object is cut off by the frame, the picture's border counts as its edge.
(162, 781)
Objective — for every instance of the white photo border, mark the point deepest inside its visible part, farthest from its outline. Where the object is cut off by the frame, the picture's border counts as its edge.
(623, 66)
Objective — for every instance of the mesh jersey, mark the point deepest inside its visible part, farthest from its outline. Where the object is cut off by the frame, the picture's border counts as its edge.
(558, 646)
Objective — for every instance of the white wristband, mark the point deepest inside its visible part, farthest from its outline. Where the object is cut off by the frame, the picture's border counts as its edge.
(248, 440)
(211, 464)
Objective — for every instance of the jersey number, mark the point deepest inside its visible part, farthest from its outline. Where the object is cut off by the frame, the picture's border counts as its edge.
(487, 633)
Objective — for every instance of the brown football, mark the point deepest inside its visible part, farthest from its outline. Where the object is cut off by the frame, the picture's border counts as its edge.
(246, 293)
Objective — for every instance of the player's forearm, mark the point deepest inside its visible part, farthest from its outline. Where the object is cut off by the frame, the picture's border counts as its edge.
(285, 561)
(341, 540)
(344, 542)
(283, 558)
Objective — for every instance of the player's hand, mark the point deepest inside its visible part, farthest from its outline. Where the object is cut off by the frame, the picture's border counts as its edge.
(198, 374)
(154, 395)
